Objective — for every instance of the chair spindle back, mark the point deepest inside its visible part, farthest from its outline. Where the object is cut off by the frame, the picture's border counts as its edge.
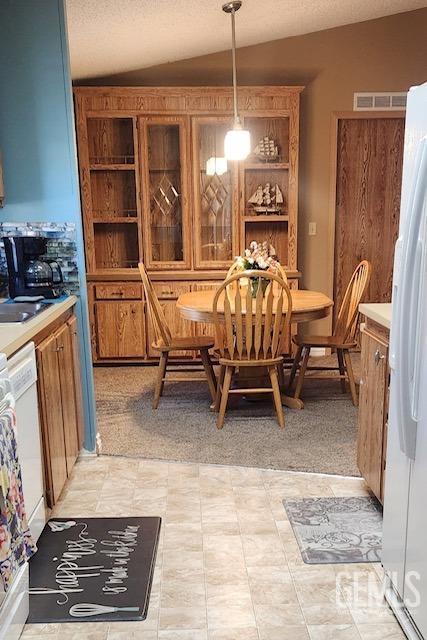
(161, 329)
(346, 323)
(253, 328)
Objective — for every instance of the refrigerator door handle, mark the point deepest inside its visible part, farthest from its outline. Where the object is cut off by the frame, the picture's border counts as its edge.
(418, 307)
(405, 358)
(396, 304)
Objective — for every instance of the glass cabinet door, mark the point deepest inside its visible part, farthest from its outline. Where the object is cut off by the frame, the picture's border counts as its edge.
(215, 193)
(164, 195)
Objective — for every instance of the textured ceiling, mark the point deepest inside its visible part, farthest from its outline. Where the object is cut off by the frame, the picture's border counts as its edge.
(113, 36)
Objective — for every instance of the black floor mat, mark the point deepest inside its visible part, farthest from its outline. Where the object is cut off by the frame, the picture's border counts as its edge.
(93, 569)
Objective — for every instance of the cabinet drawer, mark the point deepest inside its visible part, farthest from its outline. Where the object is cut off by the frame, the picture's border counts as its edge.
(171, 290)
(118, 291)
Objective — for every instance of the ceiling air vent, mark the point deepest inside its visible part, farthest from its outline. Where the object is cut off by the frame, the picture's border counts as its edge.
(379, 101)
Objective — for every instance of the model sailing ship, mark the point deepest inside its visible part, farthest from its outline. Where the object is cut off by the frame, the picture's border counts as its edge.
(267, 199)
(267, 150)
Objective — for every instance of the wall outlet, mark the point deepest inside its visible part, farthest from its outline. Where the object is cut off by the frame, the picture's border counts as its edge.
(312, 228)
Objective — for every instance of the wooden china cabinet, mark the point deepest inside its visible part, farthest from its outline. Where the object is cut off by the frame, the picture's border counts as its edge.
(155, 187)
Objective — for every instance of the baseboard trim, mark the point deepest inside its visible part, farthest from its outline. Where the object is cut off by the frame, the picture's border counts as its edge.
(84, 453)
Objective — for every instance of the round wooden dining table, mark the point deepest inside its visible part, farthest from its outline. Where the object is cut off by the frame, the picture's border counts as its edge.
(306, 306)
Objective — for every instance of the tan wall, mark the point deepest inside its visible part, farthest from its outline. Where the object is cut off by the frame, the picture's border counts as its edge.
(388, 54)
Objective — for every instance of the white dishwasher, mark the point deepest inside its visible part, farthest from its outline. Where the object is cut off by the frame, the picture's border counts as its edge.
(18, 375)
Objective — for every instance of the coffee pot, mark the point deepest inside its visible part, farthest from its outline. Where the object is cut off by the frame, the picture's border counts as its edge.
(29, 273)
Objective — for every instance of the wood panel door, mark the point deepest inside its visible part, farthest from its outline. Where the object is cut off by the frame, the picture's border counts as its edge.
(372, 412)
(68, 397)
(120, 329)
(50, 403)
(368, 183)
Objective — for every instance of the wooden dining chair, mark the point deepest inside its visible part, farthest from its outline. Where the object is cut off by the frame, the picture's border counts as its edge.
(342, 340)
(165, 342)
(250, 332)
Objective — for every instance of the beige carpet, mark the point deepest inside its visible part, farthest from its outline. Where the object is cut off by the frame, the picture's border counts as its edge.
(321, 438)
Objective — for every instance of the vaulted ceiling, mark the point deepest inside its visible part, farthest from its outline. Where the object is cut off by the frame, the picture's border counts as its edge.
(114, 36)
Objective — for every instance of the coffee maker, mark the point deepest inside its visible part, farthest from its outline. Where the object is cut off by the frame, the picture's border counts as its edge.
(29, 275)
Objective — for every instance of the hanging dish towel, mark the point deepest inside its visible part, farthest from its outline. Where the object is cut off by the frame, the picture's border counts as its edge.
(16, 543)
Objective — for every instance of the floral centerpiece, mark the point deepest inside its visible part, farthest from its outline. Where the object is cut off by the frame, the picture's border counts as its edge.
(261, 257)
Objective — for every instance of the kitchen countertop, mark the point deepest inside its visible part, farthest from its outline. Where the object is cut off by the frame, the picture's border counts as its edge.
(379, 312)
(15, 335)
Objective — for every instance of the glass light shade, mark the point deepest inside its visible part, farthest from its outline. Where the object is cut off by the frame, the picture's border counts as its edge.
(237, 144)
(216, 166)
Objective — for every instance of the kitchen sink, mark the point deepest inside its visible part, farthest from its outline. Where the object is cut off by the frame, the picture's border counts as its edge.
(20, 311)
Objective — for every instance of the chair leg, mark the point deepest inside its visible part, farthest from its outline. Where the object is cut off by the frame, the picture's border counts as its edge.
(210, 374)
(161, 371)
(277, 396)
(295, 365)
(350, 374)
(224, 396)
(219, 387)
(341, 367)
(302, 371)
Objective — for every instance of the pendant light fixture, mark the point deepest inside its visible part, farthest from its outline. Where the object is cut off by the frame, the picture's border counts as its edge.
(237, 142)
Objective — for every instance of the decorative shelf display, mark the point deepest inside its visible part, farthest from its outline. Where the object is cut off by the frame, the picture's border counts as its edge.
(267, 199)
(268, 185)
(267, 150)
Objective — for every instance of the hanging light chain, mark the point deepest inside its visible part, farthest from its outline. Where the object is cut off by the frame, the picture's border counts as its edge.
(233, 55)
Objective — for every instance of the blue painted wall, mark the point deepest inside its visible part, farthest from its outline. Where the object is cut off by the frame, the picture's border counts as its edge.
(37, 139)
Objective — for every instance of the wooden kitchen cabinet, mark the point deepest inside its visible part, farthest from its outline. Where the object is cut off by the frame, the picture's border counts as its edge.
(120, 329)
(72, 324)
(117, 318)
(373, 406)
(52, 424)
(68, 399)
(60, 406)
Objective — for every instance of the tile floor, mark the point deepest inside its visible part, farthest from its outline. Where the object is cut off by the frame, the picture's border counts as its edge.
(228, 565)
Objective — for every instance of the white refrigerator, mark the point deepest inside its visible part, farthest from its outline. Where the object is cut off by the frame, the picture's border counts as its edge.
(404, 553)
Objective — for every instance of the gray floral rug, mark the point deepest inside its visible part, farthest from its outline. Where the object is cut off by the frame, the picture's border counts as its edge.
(337, 530)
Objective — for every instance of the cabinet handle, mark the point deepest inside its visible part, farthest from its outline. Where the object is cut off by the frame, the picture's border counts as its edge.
(378, 356)
(117, 293)
(60, 348)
